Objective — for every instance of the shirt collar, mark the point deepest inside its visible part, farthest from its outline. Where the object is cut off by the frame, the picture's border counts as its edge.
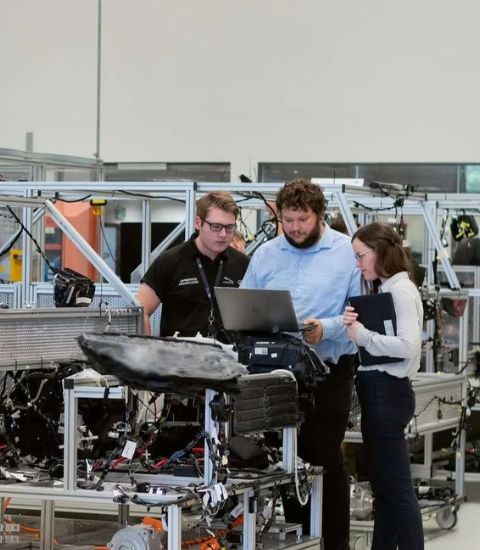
(387, 285)
(325, 241)
(197, 254)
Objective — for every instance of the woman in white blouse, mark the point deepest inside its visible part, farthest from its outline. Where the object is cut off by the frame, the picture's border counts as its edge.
(385, 392)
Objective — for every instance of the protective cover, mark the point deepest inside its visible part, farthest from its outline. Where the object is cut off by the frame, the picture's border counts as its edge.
(72, 289)
(162, 364)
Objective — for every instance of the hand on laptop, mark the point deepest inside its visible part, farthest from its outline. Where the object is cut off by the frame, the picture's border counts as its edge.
(312, 331)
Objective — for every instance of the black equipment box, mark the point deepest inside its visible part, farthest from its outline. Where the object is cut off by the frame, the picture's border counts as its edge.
(281, 351)
(266, 401)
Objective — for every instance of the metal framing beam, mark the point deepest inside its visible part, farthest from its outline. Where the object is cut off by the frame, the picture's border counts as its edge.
(27, 157)
(90, 253)
(146, 234)
(346, 212)
(441, 252)
(27, 221)
(47, 524)
(341, 195)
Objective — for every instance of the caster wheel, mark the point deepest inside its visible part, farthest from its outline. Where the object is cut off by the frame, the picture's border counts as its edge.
(447, 518)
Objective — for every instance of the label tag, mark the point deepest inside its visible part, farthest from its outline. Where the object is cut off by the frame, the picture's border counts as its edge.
(388, 324)
(260, 351)
(129, 449)
(218, 492)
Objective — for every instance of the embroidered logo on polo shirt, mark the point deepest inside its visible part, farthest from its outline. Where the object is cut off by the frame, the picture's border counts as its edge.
(189, 281)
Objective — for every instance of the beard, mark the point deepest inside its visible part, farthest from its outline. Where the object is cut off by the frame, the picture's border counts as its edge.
(308, 241)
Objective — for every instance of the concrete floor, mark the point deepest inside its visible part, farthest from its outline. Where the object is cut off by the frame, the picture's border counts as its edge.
(465, 535)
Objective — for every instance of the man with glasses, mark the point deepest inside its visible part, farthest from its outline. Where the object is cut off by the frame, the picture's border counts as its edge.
(317, 265)
(183, 277)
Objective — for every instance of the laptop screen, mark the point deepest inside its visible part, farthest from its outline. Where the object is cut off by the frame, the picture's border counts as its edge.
(256, 310)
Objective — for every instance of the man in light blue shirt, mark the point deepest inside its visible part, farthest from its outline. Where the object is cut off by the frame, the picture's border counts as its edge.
(320, 279)
(317, 265)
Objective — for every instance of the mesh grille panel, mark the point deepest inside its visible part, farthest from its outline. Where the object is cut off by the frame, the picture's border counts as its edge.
(43, 336)
(8, 296)
(104, 293)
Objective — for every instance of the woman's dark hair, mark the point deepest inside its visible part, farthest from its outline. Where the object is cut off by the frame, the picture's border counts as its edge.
(391, 256)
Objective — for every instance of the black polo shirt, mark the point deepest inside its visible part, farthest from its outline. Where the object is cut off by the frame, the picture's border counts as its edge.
(176, 279)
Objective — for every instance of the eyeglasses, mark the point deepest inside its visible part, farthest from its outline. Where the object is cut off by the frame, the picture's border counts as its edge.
(217, 227)
(359, 257)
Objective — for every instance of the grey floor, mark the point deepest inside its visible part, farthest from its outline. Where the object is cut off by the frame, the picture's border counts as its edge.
(466, 533)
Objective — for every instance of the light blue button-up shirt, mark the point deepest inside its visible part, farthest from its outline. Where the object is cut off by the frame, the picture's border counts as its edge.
(320, 279)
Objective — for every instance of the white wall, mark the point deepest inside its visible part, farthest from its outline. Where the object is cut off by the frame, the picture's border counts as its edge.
(244, 81)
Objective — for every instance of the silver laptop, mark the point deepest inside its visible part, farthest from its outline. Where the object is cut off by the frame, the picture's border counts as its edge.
(256, 310)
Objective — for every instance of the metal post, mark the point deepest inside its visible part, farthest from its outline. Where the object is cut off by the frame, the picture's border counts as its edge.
(476, 307)
(190, 208)
(2, 510)
(316, 506)
(429, 250)
(123, 514)
(29, 142)
(430, 332)
(441, 252)
(462, 360)
(427, 454)
(460, 465)
(39, 172)
(146, 234)
(289, 438)
(70, 440)
(431, 242)
(99, 82)
(174, 527)
(463, 337)
(47, 524)
(27, 253)
(249, 519)
(209, 428)
(346, 212)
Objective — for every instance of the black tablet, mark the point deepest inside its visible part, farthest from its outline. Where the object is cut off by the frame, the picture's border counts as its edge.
(376, 312)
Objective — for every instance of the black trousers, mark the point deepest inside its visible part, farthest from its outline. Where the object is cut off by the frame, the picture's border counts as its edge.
(319, 444)
(388, 405)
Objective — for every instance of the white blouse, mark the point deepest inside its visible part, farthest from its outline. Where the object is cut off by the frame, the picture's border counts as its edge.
(407, 344)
